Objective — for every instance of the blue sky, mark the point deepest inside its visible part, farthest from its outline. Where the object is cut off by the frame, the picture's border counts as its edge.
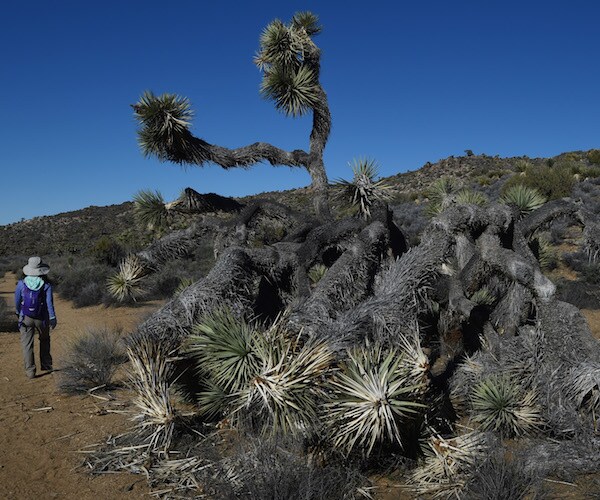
(408, 82)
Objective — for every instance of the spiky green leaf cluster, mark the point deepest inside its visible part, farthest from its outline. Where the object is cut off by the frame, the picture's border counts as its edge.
(439, 194)
(470, 197)
(372, 396)
(184, 283)
(500, 404)
(150, 209)
(165, 122)
(526, 199)
(227, 348)
(483, 297)
(544, 252)
(288, 80)
(258, 375)
(447, 191)
(127, 284)
(364, 189)
(316, 273)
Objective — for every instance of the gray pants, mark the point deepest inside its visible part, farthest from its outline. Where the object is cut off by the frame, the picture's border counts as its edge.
(27, 329)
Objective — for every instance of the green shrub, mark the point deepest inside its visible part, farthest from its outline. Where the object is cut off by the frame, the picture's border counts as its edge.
(593, 156)
(107, 251)
(553, 182)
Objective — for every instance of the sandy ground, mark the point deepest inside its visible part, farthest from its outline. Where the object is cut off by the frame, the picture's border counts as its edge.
(41, 429)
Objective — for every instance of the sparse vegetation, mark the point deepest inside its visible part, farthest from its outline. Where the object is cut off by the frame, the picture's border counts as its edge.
(91, 361)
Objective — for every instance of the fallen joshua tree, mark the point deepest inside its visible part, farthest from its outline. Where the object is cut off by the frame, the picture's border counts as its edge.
(385, 353)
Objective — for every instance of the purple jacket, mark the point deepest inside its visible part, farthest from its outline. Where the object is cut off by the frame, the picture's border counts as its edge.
(49, 300)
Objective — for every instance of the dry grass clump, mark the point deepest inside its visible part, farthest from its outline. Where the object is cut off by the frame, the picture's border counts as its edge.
(91, 361)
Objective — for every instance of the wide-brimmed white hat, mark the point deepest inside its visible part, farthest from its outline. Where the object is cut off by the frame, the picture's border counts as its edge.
(35, 267)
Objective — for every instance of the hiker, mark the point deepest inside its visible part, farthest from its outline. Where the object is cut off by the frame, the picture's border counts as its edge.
(35, 308)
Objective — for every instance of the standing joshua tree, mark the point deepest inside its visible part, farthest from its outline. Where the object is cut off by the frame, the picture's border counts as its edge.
(290, 63)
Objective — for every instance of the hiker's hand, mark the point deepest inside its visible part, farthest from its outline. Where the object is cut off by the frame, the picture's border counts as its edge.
(53, 323)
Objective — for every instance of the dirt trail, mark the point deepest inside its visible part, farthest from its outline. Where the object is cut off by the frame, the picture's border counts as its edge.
(38, 448)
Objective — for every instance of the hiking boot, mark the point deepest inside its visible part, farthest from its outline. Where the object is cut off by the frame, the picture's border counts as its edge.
(30, 374)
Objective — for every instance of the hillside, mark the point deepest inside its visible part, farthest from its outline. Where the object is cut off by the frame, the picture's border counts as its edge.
(78, 231)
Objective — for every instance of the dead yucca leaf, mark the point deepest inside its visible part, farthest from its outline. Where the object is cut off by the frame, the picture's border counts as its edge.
(150, 376)
(443, 473)
(127, 283)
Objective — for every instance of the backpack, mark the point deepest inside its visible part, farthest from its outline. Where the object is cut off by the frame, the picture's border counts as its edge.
(33, 303)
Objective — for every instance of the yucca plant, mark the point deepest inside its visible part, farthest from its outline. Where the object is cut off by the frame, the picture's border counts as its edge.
(469, 197)
(128, 282)
(227, 348)
(150, 210)
(165, 122)
(447, 461)
(371, 397)
(291, 83)
(364, 189)
(285, 395)
(290, 62)
(255, 375)
(483, 297)
(543, 251)
(316, 273)
(499, 404)
(184, 283)
(526, 199)
(439, 195)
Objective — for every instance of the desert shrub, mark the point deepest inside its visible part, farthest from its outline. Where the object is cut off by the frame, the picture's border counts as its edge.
(577, 261)
(593, 156)
(165, 282)
(91, 294)
(107, 251)
(551, 181)
(499, 478)
(91, 361)
(8, 320)
(81, 280)
(580, 294)
(411, 219)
